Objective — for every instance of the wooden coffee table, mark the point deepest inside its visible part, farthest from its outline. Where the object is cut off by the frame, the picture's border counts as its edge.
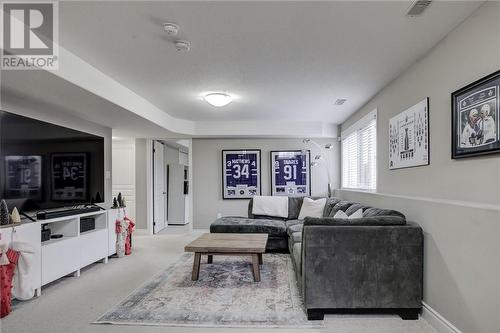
(253, 245)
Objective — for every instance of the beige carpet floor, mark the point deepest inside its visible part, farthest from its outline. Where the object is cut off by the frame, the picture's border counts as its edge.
(72, 304)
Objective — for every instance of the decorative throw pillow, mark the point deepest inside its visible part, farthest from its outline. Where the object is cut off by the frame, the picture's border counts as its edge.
(357, 214)
(342, 215)
(312, 208)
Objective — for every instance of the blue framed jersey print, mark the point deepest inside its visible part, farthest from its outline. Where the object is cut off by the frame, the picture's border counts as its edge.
(290, 173)
(241, 174)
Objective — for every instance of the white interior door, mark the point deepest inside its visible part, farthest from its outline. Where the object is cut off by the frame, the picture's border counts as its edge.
(159, 188)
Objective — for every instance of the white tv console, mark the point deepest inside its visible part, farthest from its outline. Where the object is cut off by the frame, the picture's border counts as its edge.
(60, 257)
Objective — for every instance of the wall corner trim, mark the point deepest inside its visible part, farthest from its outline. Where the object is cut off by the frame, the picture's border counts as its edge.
(437, 321)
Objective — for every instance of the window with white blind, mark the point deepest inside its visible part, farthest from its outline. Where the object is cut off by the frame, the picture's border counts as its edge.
(359, 154)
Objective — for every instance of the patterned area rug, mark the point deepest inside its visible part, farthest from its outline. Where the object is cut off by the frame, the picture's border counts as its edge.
(224, 296)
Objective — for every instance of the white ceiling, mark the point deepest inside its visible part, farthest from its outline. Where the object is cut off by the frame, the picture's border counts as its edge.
(285, 60)
(43, 90)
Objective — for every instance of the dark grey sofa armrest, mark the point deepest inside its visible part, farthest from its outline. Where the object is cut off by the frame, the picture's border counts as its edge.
(364, 221)
(353, 266)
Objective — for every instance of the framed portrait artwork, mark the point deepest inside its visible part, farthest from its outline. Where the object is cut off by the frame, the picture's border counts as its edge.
(241, 173)
(409, 137)
(475, 113)
(291, 173)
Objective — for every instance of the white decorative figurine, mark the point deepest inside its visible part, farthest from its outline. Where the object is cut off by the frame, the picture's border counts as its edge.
(15, 217)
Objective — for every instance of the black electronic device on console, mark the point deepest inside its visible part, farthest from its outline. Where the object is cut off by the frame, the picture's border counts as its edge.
(45, 233)
(54, 213)
(87, 224)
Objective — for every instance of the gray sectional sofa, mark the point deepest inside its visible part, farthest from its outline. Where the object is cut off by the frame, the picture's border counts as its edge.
(371, 264)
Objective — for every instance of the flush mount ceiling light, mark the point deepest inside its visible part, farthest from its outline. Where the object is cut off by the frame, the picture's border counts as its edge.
(218, 99)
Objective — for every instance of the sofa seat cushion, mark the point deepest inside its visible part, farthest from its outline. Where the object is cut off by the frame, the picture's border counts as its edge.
(296, 237)
(294, 228)
(297, 257)
(275, 228)
(290, 223)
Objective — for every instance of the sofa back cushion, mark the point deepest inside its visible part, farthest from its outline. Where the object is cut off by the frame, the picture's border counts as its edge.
(340, 205)
(354, 207)
(330, 204)
(379, 212)
(294, 206)
(364, 221)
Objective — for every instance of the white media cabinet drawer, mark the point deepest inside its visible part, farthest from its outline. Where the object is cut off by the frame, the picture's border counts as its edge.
(60, 257)
(93, 246)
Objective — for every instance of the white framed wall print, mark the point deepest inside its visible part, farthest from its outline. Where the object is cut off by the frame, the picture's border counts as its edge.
(409, 137)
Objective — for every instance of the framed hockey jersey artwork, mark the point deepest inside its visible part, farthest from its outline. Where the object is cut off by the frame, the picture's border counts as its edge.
(241, 173)
(475, 114)
(291, 173)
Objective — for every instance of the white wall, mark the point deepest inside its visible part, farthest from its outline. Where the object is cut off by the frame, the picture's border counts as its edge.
(457, 202)
(141, 184)
(207, 174)
(171, 155)
(123, 180)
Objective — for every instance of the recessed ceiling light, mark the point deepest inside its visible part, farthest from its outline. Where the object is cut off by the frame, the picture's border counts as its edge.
(171, 28)
(218, 99)
(418, 7)
(182, 45)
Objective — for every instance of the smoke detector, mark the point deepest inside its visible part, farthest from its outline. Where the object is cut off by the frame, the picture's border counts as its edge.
(182, 45)
(340, 101)
(172, 29)
(418, 7)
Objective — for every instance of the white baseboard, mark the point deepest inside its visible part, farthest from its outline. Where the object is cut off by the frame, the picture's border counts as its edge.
(141, 232)
(437, 321)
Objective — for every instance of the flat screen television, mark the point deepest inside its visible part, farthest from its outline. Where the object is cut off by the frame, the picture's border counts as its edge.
(44, 166)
